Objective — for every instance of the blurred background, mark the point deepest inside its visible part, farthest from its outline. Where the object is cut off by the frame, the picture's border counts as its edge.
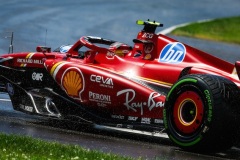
(57, 22)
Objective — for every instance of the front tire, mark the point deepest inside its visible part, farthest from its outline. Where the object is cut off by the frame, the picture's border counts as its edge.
(202, 113)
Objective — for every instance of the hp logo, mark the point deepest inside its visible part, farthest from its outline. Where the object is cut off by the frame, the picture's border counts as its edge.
(173, 53)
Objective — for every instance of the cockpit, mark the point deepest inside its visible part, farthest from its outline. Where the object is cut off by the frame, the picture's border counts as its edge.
(87, 47)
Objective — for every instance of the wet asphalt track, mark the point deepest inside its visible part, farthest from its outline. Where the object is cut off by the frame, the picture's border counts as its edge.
(98, 137)
(62, 22)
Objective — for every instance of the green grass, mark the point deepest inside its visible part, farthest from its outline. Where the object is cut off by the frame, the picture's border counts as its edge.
(225, 30)
(22, 147)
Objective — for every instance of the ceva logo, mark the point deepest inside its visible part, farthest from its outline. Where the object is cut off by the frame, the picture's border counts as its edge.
(173, 53)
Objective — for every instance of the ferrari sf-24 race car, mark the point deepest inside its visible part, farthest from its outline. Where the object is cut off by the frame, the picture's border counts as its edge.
(158, 84)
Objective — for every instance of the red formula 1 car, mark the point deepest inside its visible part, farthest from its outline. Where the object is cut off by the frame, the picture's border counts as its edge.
(159, 84)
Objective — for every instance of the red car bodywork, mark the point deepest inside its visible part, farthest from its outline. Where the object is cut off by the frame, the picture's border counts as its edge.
(102, 80)
(119, 84)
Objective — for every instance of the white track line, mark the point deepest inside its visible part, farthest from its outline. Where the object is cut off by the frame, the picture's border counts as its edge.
(5, 100)
(170, 29)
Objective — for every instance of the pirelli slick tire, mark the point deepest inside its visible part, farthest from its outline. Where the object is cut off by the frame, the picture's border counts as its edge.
(202, 113)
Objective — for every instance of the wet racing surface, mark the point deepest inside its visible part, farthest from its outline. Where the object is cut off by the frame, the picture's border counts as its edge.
(63, 22)
(98, 137)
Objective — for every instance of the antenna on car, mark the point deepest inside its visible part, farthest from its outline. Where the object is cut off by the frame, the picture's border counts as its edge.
(10, 49)
(46, 38)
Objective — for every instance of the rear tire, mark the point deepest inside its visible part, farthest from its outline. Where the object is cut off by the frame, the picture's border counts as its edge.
(202, 113)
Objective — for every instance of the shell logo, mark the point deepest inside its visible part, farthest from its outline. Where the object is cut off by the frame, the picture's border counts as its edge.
(73, 82)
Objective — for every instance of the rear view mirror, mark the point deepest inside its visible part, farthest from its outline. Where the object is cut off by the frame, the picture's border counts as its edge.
(43, 49)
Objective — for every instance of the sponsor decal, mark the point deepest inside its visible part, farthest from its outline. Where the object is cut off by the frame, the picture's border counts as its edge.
(158, 121)
(173, 53)
(165, 118)
(10, 89)
(28, 60)
(103, 82)
(110, 55)
(100, 98)
(131, 118)
(209, 101)
(73, 82)
(29, 56)
(101, 104)
(146, 120)
(20, 60)
(117, 116)
(37, 76)
(147, 35)
(26, 108)
(131, 104)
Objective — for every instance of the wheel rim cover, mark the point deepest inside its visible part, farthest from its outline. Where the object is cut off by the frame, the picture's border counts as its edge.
(188, 112)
